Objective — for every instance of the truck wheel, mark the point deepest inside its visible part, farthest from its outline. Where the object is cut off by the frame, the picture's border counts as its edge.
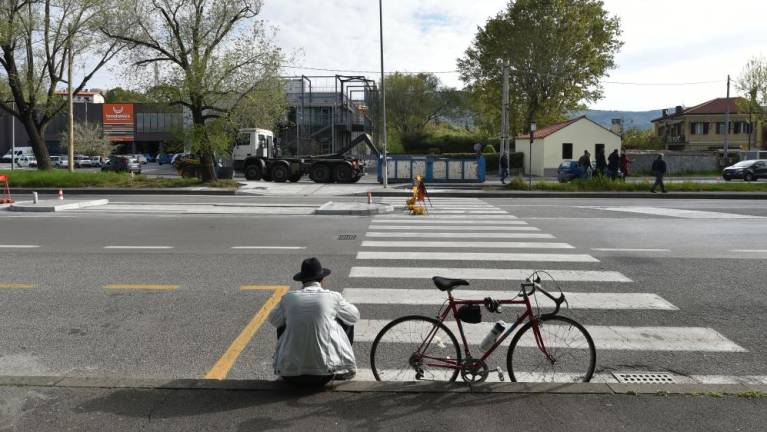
(295, 177)
(253, 172)
(343, 173)
(280, 173)
(320, 173)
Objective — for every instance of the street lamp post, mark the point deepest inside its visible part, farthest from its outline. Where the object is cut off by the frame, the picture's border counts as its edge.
(383, 99)
(530, 155)
(13, 137)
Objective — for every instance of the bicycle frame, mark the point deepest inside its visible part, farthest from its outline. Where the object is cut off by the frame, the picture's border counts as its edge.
(452, 307)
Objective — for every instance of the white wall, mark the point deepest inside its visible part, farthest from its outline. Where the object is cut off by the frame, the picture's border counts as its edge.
(583, 134)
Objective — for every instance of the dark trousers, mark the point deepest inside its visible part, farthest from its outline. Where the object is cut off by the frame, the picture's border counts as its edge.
(316, 380)
(504, 174)
(658, 182)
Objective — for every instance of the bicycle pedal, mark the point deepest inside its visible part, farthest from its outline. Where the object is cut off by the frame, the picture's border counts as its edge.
(500, 373)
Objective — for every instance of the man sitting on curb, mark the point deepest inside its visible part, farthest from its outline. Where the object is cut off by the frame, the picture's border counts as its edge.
(314, 331)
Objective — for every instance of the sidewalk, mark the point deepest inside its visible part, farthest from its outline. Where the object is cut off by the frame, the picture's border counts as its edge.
(128, 405)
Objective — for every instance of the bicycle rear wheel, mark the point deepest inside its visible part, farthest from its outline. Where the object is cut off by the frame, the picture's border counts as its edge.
(395, 354)
(569, 345)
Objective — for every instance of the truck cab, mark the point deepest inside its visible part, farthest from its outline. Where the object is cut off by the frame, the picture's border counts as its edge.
(252, 142)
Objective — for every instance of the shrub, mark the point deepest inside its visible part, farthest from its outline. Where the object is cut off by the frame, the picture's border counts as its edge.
(489, 149)
(433, 151)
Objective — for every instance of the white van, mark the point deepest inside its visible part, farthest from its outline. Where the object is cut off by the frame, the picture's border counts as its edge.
(19, 151)
(26, 161)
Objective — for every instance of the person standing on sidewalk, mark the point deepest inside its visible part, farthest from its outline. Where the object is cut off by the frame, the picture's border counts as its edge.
(625, 162)
(659, 170)
(601, 163)
(585, 162)
(613, 164)
(504, 167)
(315, 331)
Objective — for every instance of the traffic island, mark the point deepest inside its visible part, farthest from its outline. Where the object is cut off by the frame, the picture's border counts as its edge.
(353, 209)
(56, 205)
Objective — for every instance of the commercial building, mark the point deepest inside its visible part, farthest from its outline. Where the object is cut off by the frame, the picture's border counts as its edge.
(563, 141)
(702, 127)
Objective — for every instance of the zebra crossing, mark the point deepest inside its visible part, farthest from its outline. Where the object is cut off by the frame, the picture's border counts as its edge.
(470, 239)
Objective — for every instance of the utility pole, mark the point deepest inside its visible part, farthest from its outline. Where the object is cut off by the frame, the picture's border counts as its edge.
(13, 136)
(727, 125)
(505, 116)
(71, 116)
(383, 99)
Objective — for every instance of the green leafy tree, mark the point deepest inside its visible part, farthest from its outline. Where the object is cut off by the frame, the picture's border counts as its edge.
(213, 57)
(413, 102)
(36, 39)
(752, 83)
(121, 95)
(641, 139)
(557, 50)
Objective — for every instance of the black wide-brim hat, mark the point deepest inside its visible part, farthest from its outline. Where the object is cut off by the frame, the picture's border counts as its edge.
(311, 270)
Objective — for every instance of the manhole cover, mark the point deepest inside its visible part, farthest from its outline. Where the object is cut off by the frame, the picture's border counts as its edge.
(644, 378)
(347, 236)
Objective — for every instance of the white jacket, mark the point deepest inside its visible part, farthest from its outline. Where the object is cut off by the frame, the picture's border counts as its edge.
(313, 342)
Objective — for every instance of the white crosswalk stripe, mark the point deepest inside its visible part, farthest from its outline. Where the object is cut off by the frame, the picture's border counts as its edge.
(605, 337)
(480, 242)
(457, 235)
(475, 256)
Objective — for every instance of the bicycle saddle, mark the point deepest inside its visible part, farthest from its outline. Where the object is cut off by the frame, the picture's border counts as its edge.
(445, 284)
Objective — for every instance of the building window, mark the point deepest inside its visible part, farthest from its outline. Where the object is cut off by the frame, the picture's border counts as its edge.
(720, 128)
(567, 150)
(742, 127)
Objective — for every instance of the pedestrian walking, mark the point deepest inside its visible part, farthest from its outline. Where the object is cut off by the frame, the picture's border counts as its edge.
(601, 162)
(659, 170)
(315, 331)
(625, 162)
(613, 164)
(504, 167)
(585, 162)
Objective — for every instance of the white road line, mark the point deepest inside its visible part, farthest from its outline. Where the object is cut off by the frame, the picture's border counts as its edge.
(576, 300)
(729, 379)
(679, 213)
(491, 228)
(749, 250)
(482, 256)
(605, 337)
(468, 219)
(138, 247)
(481, 212)
(270, 247)
(458, 235)
(629, 250)
(393, 375)
(427, 220)
(19, 246)
(466, 244)
(484, 274)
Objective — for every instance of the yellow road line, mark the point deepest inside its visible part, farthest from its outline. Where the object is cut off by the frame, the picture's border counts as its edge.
(16, 285)
(262, 287)
(141, 286)
(225, 363)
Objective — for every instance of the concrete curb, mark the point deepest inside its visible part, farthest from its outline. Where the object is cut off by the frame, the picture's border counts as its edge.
(543, 194)
(55, 205)
(715, 390)
(121, 191)
(352, 209)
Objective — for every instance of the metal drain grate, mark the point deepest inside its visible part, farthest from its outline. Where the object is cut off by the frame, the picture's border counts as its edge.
(644, 378)
(347, 236)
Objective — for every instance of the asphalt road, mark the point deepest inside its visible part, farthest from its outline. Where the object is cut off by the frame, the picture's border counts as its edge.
(167, 296)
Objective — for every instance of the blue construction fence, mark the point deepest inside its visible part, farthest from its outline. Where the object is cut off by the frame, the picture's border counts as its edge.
(434, 169)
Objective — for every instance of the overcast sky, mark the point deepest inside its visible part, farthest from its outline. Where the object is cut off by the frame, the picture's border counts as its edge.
(666, 41)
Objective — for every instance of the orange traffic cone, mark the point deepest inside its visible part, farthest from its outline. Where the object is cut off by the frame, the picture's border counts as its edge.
(61, 194)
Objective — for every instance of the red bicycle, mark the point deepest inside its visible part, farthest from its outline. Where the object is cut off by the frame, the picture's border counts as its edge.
(547, 347)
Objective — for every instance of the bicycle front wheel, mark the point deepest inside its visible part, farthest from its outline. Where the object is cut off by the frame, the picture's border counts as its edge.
(400, 351)
(571, 353)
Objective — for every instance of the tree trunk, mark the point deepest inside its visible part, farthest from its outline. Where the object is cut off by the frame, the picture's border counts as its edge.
(207, 171)
(37, 141)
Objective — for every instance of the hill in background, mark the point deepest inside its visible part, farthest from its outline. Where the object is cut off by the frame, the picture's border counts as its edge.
(631, 119)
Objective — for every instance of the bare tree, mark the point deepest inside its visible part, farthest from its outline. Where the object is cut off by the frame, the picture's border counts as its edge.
(214, 57)
(89, 140)
(36, 37)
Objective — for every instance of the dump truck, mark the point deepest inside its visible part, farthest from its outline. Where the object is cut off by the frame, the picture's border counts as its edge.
(256, 156)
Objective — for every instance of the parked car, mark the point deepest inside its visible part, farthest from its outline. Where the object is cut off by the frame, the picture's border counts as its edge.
(26, 161)
(122, 163)
(82, 161)
(178, 157)
(750, 170)
(164, 158)
(55, 160)
(570, 170)
(96, 161)
(141, 158)
(150, 157)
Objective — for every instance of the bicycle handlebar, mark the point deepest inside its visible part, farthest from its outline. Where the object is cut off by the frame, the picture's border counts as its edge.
(537, 286)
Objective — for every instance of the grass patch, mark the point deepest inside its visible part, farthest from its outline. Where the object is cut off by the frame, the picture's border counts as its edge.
(752, 394)
(65, 179)
(604, 184)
